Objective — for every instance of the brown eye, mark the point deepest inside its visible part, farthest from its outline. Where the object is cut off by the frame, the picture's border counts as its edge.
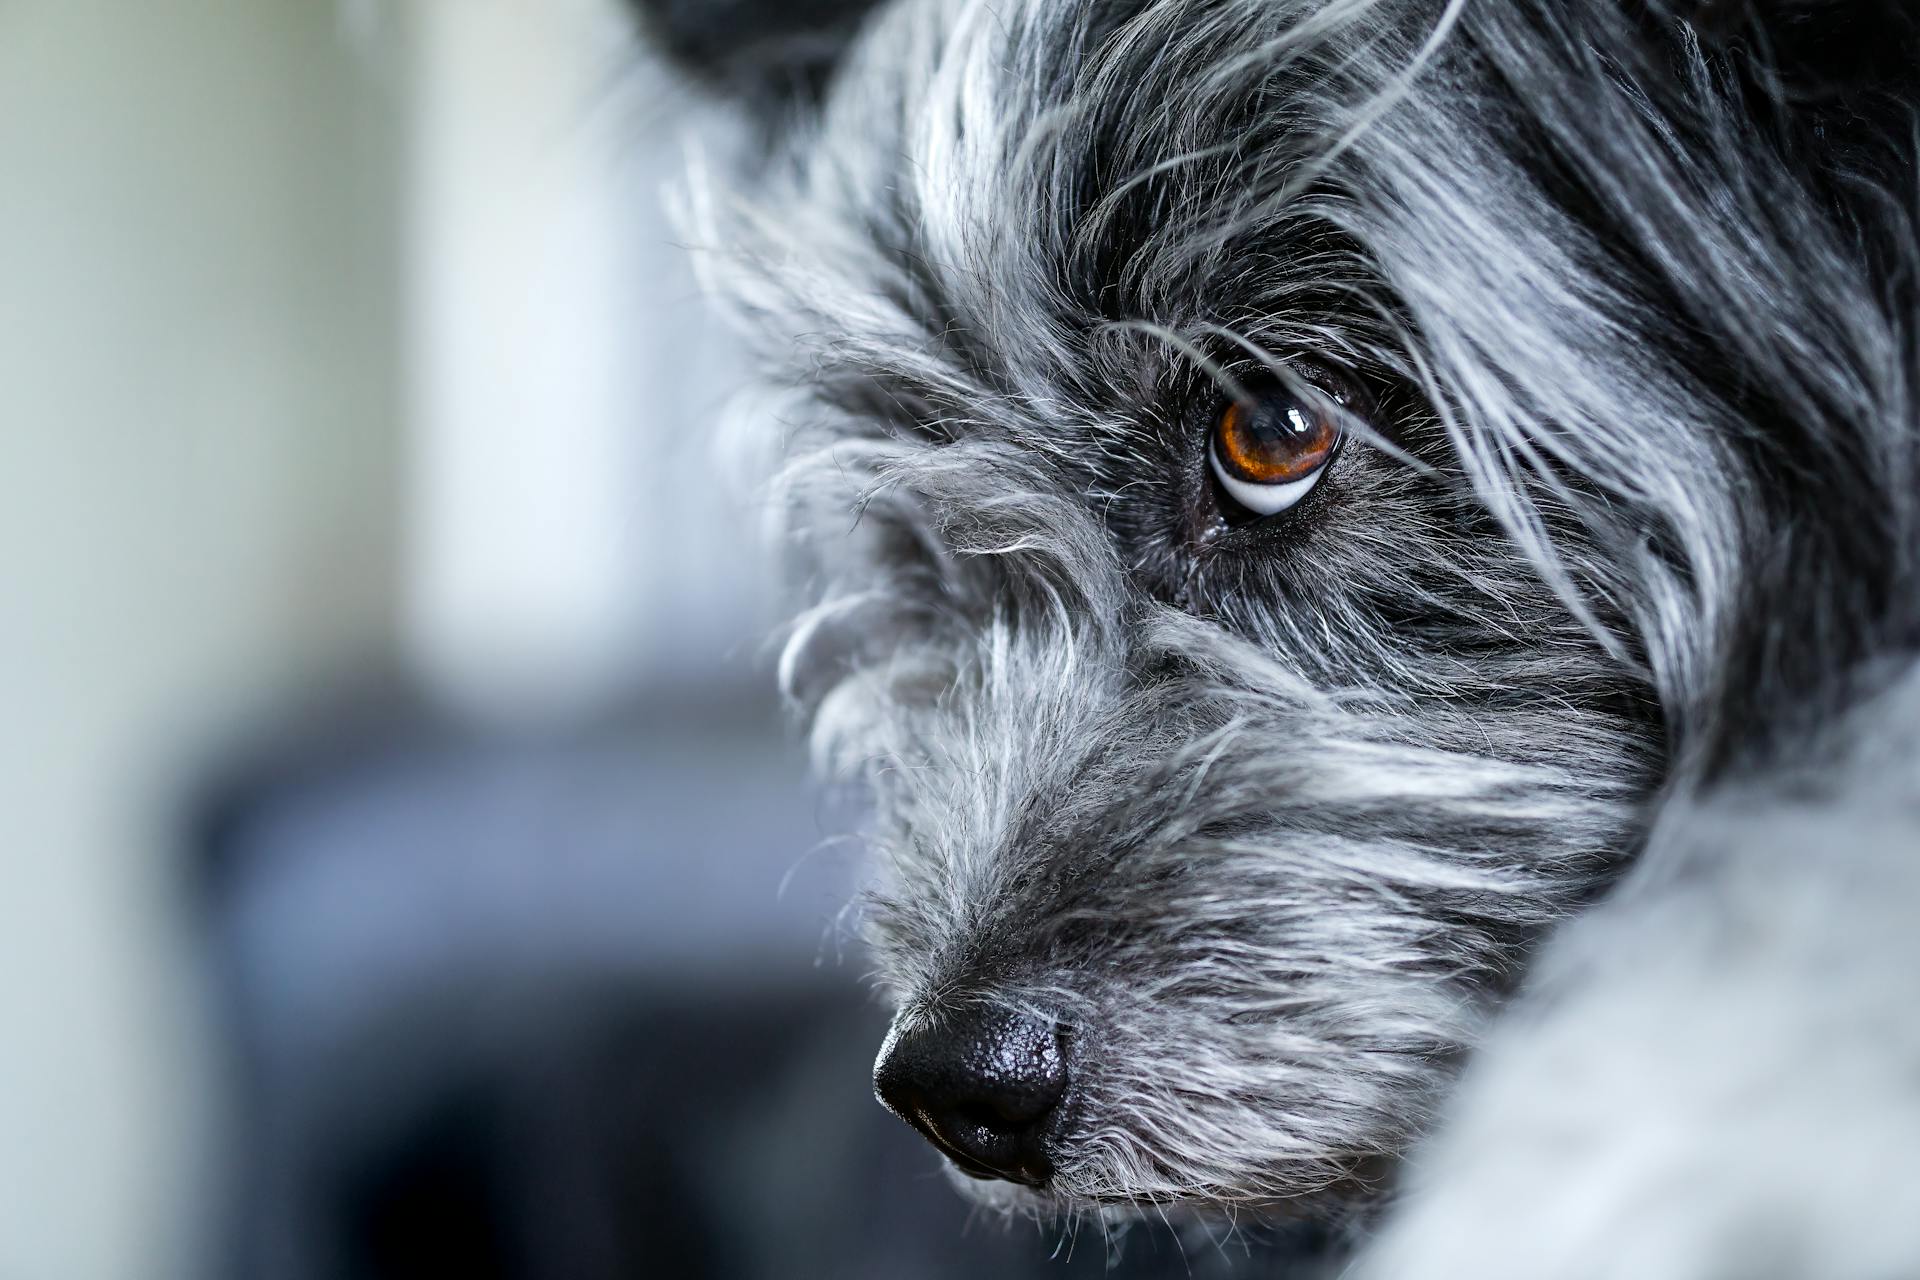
(1269, 449)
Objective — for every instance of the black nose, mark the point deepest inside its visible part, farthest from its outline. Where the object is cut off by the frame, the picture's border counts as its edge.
(981, 1085)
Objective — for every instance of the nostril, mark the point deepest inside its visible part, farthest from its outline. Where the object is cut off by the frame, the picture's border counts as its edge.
(981, 1086)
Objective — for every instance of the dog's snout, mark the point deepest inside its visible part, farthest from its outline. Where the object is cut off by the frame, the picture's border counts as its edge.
(982, 1086)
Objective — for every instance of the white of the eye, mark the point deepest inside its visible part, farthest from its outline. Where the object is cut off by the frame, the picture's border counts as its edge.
(1263, 499)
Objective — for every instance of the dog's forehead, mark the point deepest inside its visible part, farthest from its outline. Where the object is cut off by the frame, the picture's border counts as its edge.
(996, 126)
(1057, 206)
(935, 139)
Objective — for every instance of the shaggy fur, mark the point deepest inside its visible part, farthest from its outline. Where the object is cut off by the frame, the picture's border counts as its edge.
(1609, 600)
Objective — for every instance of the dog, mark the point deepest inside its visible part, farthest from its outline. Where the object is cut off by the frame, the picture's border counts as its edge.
(1365, 551)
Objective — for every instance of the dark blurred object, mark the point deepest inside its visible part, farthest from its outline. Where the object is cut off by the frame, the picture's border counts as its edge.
(539, 1008)
(1819, 49)
(762, 52)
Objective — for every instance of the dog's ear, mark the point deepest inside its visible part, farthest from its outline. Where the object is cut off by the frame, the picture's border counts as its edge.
(764, 54)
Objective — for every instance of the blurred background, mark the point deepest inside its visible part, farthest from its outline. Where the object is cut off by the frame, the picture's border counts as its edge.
(409, 870)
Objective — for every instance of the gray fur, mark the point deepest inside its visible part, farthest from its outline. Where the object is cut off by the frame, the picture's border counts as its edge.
(1273, 822)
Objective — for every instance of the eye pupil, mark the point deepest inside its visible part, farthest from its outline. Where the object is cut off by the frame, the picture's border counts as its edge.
(1276, 438)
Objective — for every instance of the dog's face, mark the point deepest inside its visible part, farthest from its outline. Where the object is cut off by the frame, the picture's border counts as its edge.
(1216, 453)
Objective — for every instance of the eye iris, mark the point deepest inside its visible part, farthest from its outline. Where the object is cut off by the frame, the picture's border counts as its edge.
(1274, 440)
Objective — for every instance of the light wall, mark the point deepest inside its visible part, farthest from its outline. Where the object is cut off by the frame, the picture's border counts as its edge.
(569, 537)
(334, 335)
(199, 460)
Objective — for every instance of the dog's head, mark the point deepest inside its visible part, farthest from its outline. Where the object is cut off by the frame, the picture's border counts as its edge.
(1275, 480)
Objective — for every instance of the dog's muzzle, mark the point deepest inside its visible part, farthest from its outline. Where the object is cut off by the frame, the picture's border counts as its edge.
(983, 1086)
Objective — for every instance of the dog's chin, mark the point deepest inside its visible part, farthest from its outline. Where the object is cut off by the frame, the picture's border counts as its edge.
(1007, 1197)
(1057, 1202)
(1060, 1197)
(1060, 1202)
(1348, 1198)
